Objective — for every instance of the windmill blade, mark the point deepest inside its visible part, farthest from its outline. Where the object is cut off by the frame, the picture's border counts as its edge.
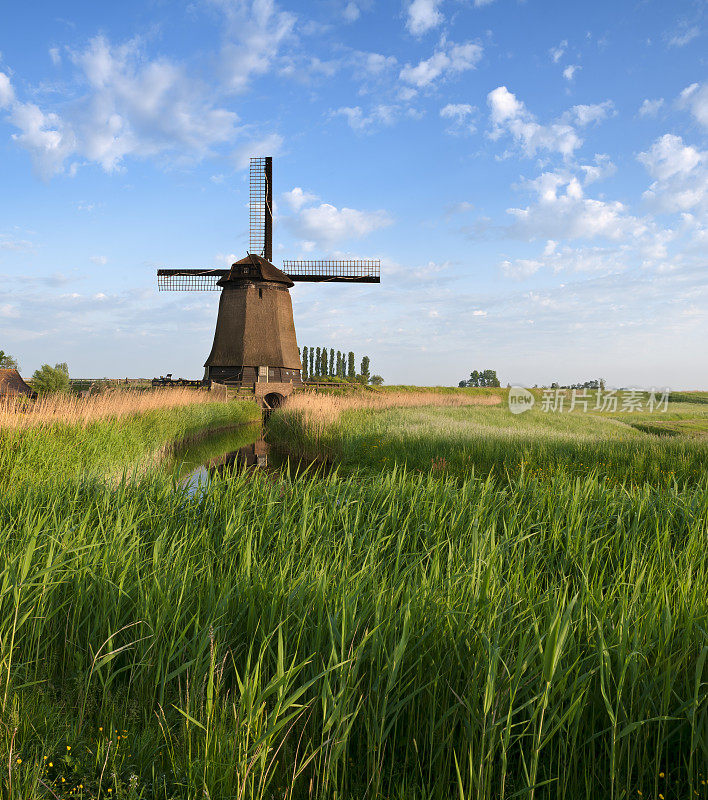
(189, 280)
(260, 207)
(335, 271)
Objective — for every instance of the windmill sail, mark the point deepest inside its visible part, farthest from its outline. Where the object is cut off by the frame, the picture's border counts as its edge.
(260, 207)
(189, 280)
(354, 270)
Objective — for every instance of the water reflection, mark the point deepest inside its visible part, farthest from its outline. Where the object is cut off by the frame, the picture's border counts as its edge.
(219, 453)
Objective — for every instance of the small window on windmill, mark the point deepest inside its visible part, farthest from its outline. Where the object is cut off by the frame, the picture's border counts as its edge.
(263, 374)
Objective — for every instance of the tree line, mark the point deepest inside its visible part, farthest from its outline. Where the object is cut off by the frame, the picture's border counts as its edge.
(477, 379)
(321, 362)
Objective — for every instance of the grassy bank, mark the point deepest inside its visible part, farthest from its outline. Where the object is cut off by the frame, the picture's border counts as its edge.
(386, 633)
(64, 436)
(471, 433)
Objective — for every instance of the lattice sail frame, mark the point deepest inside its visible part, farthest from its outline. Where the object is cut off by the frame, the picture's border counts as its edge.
(260, 207)
(189, 280)
(353, 270)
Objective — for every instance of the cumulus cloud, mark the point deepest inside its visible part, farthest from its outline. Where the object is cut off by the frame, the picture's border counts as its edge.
(7, 93)
(297, 198)
(695, 99)
(561, 211)
(680, 172)
(509, 115)
(587, 114)
(99, 260)
(570, 70)
(351, 12)
(256, 32)
(131, 107)
(422, 16)
(449, 59)
(650, 108)
(327, 225)
(601, 169)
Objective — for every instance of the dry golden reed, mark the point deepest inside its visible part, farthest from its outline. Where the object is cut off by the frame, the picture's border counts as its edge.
(321, 410)
(73, 410)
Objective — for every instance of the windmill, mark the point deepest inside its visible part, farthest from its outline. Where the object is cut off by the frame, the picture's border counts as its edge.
(254, 340)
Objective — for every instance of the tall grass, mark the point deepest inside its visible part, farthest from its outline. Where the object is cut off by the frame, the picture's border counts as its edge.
(395, 634)
(70, 409)
(469, 440)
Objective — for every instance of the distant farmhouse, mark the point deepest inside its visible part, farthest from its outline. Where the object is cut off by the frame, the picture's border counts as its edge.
(12, 385)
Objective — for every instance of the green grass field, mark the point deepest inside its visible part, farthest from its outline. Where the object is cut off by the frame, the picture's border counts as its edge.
(468, 605)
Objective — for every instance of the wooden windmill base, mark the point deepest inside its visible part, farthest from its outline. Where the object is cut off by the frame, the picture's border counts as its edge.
(268, 395)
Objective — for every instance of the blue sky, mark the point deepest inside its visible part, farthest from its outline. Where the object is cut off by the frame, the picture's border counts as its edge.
(533, 176)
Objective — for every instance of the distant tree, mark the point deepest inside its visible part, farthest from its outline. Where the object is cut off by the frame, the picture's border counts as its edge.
(489, 378)
(318, 362)
(311, 371)
(474, 379)
(351, 368)
(51, 379)
(339, 364)
(304, 363)
(7, 361)
(323, 363)
(461, 384)
(376, 380)
(331, 362)
(365, 369)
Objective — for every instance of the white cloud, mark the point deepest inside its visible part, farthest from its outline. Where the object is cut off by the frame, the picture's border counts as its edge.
(131, 107)
(561, 211)
(668, 156)
(557, 53)
(257, 30)
(7, 93)
(359, 121)
(680, 172)
(9, 311)
(327, 225)
(684, 36)
(10, 243)
(650, 108)
(459, 114)
(55, 55)
(586, 114)
(481, 3)
(296, 198)
(695, 98)
(451, 59)
(570, 70)
(422, 16)
(601, 169)
(100, 260)
(510, 115)
(271, 144)
(520, 268)
(351, 12)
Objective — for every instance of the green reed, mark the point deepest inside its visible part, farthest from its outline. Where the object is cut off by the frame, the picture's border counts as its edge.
(396, 634)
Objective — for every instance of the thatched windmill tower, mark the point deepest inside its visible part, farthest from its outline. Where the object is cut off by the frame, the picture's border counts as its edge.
(255, 341)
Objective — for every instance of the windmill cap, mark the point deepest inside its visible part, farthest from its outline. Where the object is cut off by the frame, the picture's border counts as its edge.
(255, 268)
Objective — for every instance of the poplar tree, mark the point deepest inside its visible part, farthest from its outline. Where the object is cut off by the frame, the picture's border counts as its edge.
(351, 372)
(304, 363)
(365, 369)
(323, 365)
(331, 362)
(318, 363)
(312, 362)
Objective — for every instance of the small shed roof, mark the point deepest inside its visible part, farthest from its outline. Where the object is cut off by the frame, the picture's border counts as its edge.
(11, 384)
